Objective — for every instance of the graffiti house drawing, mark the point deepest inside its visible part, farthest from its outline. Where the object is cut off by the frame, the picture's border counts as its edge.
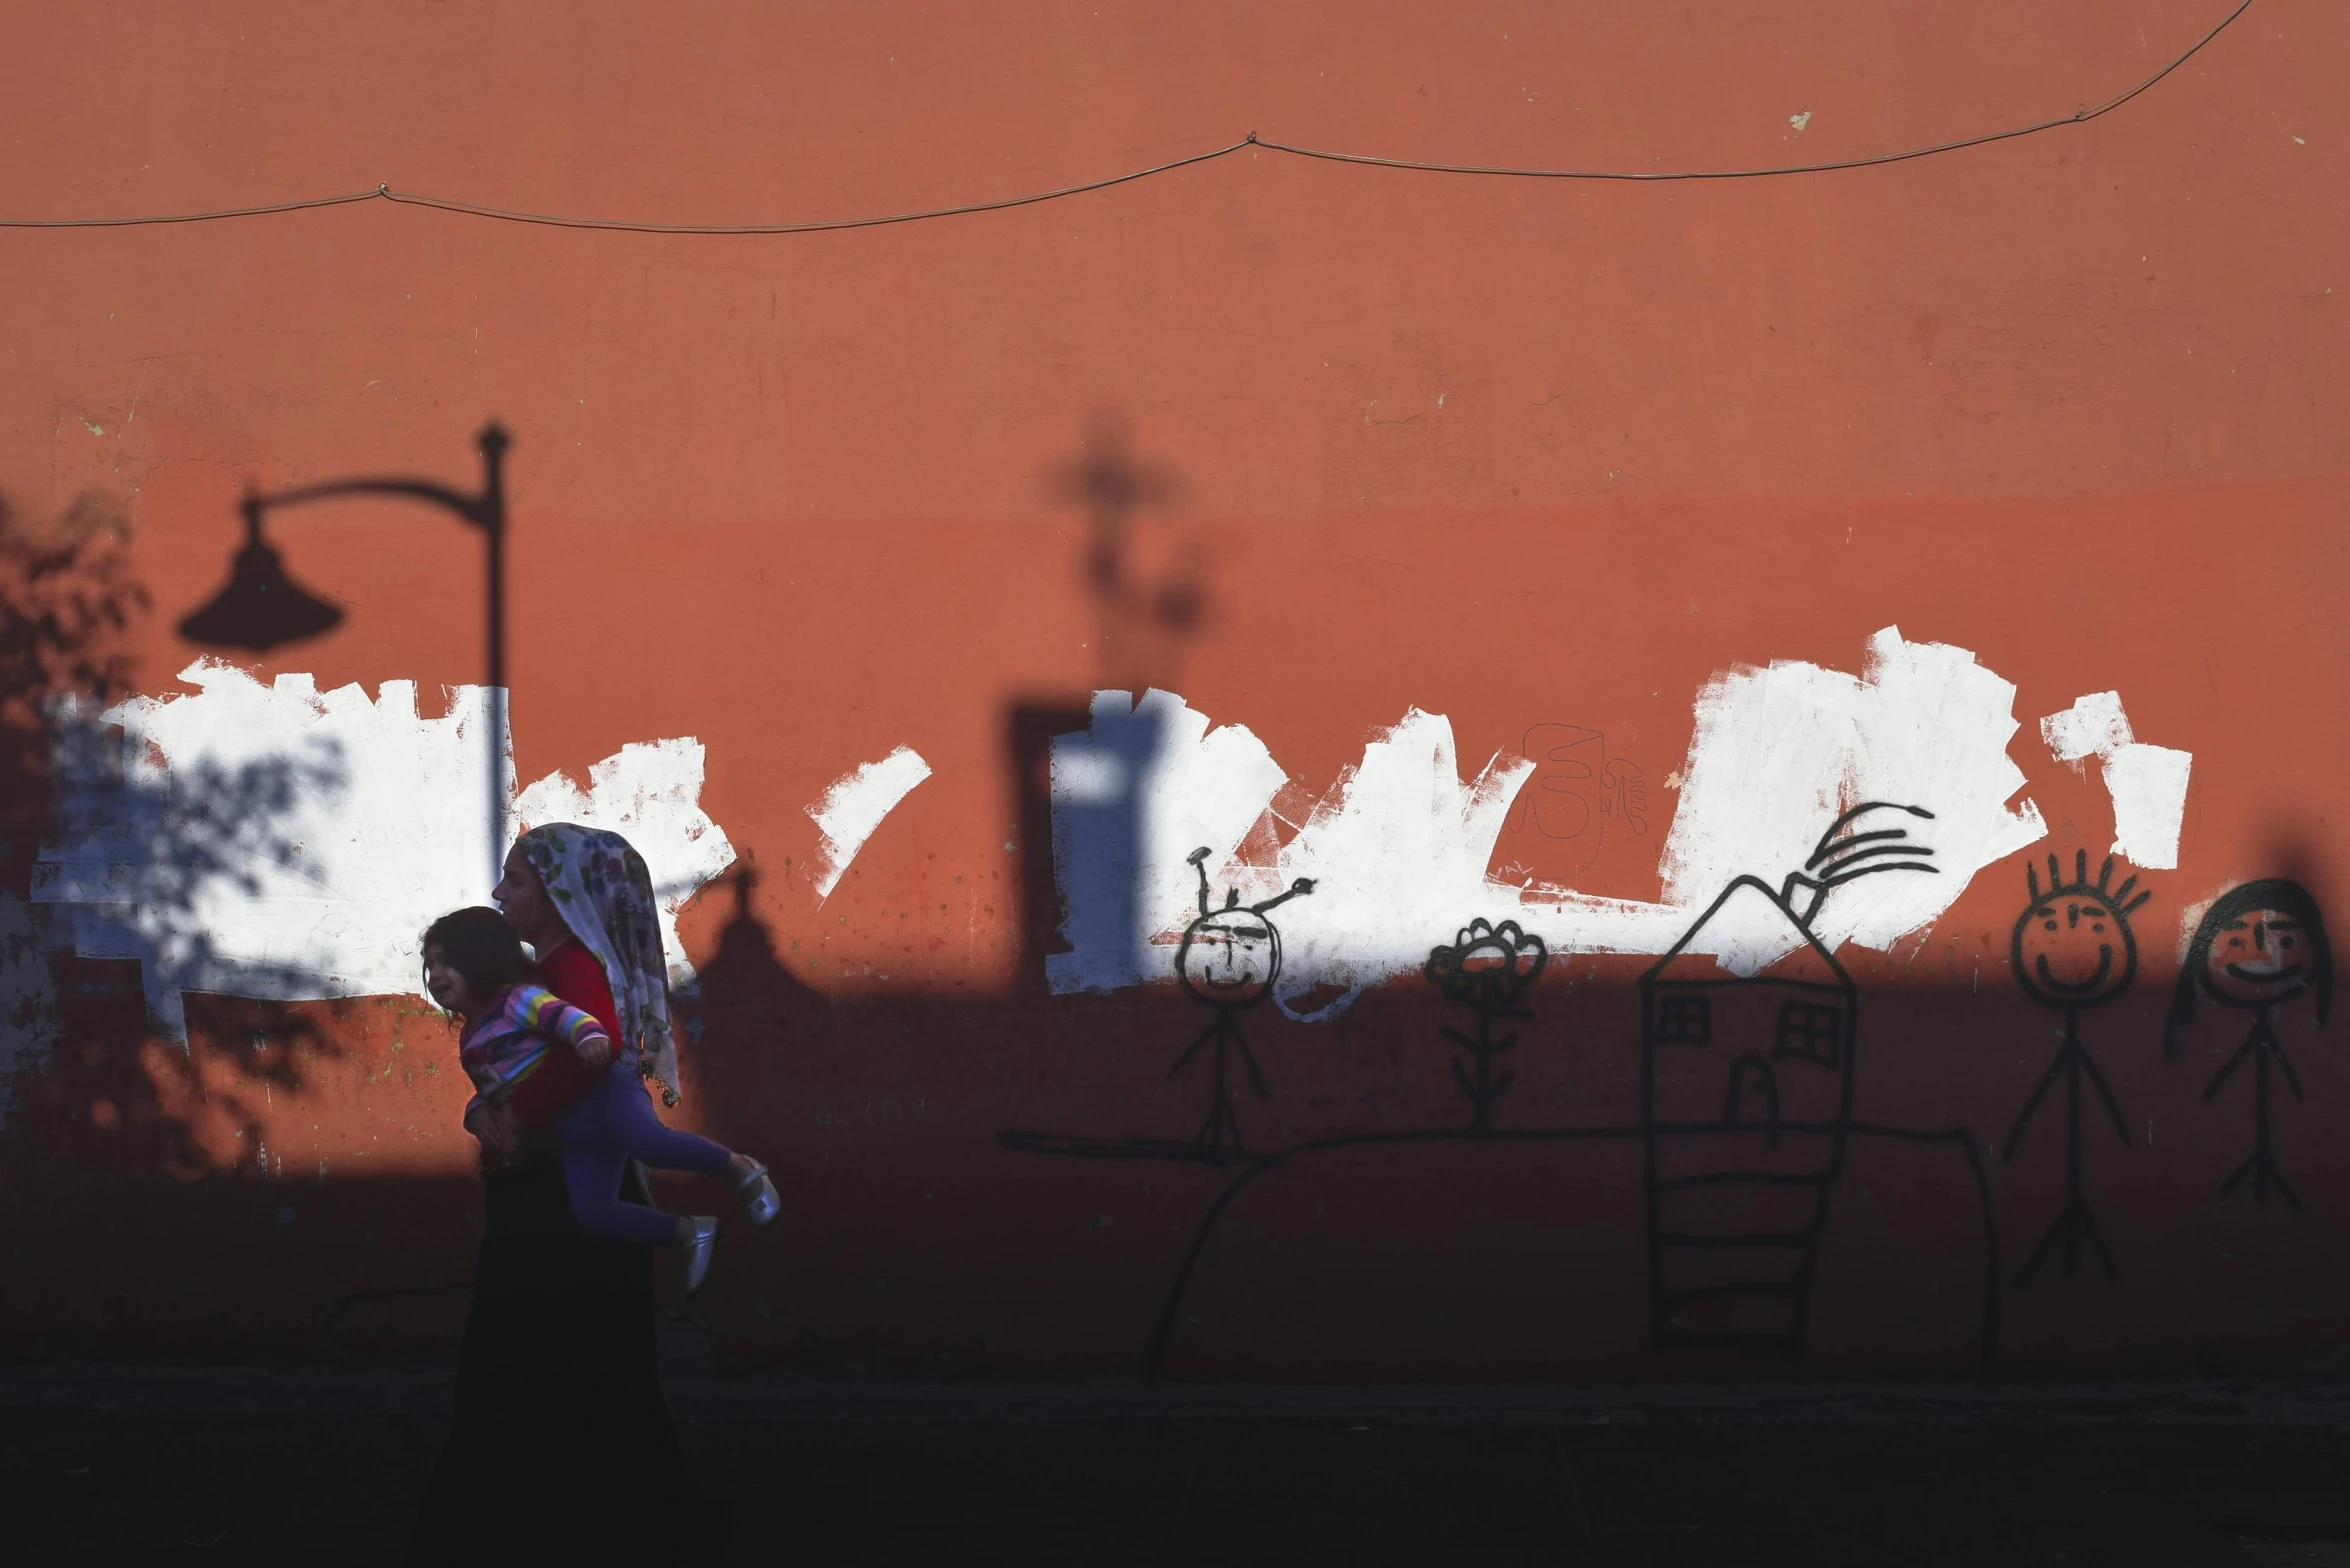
(1746, 1098)
(1746, 1084)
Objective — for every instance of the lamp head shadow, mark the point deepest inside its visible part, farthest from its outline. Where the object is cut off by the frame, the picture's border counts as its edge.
(261, 608)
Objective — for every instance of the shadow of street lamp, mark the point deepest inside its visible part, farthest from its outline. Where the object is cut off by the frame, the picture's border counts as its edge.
(262, 608)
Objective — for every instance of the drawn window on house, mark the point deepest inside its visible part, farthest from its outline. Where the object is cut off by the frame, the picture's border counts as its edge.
(1811, 1032)
(1684, 1020)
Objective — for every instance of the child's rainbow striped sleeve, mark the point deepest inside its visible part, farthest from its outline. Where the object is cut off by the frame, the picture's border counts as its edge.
(556, 1019)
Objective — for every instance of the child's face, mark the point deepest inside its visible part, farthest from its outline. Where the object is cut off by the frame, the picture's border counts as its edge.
(445, 983)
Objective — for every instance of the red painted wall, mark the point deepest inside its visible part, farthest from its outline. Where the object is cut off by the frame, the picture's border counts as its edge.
(1514, 451)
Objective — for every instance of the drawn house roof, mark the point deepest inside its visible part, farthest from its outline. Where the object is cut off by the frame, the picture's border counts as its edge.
(1746, 906)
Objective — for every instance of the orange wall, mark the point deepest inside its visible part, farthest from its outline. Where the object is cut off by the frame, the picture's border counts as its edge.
(1511, 451)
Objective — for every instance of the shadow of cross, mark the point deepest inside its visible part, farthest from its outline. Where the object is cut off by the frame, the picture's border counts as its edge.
(1141, 621)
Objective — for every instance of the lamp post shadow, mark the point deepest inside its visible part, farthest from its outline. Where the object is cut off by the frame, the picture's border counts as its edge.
(261, 608)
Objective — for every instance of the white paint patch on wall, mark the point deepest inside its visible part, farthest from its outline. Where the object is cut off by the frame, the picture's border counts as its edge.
(1780, 750)
(2093, 726)
(1399, 838)
(2149, 789)
(1134, 794)
(2147, 784)
(281, 843)
(853, 807)
(651, 795)
(2191, 920)
(1398, 848)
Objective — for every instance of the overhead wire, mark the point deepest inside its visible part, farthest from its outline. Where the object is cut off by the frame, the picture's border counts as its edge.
(508, 215)
(384, 192)
(1830, 166)
(190, 217)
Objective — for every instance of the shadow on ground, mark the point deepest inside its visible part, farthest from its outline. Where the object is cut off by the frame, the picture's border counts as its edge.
(2209, 1477)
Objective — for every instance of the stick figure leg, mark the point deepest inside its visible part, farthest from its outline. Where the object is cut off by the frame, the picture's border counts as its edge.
(2074, 1224)
(1222, 1128)
(2262, 1166)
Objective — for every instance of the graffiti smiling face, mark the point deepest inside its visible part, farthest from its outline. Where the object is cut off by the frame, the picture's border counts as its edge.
(1229, 958)
(2074, 948)
(2261, 956)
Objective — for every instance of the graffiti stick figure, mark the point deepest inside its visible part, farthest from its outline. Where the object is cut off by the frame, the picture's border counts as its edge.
(2073, 949)
(2260, 945)
(1229, 959)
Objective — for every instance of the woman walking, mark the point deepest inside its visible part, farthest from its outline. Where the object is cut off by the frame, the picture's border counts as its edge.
(557, 878)
(557, 1376)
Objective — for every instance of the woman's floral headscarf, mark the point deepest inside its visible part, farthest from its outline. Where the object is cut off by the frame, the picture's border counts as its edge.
(604, 893)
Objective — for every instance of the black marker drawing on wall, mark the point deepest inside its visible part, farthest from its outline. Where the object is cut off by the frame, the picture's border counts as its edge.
(2258, 947)
(2073, 949)
(1230, 958)
(1746, 1099)
(1767, 1119)
(1487, 968)
(1577, 796)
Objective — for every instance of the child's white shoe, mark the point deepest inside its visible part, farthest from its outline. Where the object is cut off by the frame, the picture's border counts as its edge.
(758, 1195)
(698, 1250)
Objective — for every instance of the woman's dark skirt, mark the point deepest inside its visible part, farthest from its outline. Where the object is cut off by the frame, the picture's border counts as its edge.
(563, 1445)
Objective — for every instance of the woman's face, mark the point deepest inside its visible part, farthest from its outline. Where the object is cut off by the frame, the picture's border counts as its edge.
(444, 982)
(522, 898)
(2261, 956)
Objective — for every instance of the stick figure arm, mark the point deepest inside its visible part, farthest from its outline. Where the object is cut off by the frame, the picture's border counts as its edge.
(2251, 1043)
(1301, 886)
(2292, 1078)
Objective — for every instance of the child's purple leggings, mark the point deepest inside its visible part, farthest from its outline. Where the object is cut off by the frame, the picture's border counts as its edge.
(599, 1134)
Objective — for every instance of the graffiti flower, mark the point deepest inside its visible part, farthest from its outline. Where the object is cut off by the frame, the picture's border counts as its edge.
(1488, 967)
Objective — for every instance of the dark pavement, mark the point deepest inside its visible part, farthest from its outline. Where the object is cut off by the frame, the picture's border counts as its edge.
(283, 1466)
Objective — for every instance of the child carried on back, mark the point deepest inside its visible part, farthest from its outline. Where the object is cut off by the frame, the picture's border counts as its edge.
(475, 968)
(505, 1045)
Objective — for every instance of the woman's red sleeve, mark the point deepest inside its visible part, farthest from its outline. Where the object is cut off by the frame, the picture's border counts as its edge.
(574, 974)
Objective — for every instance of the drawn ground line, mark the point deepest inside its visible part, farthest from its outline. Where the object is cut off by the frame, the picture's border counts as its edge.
(1264, 1164)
